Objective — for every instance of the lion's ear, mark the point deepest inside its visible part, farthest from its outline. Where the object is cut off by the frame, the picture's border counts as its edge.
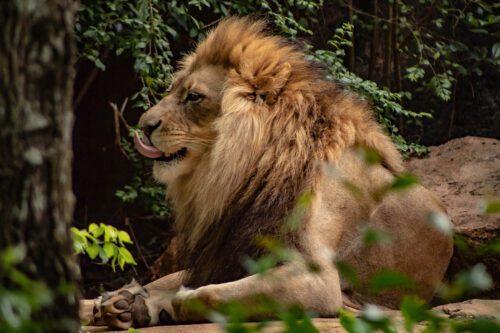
(282, 76)
(270, 85)
(262, 85)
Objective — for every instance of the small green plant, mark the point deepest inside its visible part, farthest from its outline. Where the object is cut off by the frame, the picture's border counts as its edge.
(104, 241)
(490, 205)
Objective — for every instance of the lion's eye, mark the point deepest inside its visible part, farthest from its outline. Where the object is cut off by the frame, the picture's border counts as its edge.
(194, 97)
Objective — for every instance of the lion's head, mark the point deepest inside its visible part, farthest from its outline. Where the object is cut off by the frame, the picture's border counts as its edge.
(181, 127)
(239, 136)
(226, 88)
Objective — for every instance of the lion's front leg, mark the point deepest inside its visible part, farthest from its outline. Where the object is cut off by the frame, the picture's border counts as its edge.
(133, 305)
(289, 284)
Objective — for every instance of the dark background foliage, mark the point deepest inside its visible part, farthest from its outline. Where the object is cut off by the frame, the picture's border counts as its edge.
(430, 67)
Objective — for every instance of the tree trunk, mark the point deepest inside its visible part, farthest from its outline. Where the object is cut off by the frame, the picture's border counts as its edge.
(388, 48)
(351, 51)
(36, 200)
(374, 42)
(395, 47)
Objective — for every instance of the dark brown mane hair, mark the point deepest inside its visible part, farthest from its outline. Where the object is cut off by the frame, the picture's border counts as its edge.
(280, 119)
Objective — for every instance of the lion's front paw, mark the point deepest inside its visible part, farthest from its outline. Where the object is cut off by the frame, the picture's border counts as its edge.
(121, 309)
(124, 309)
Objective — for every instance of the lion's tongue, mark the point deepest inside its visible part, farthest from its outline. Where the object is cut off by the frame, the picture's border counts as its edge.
(144, 148)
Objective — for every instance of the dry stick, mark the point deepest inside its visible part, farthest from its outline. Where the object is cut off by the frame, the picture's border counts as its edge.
(127, 223)
(208, 25)
(452, 115)
(362, 12)
(397, 63)
(351, 49)
(118, 117)
(375, 43)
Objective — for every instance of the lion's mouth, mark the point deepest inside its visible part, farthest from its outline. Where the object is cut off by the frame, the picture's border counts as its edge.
(147, 149)
(178, 155)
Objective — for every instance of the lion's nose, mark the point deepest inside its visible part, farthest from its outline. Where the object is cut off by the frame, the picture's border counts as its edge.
(148, 128)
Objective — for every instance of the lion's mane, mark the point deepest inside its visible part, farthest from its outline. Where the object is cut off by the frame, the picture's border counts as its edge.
(280, 119)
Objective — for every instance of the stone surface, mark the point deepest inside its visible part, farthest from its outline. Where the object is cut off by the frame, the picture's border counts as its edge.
(462, 172)
(475, 308)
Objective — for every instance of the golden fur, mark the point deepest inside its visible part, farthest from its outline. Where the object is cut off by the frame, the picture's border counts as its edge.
(278, 119)
(261, 127)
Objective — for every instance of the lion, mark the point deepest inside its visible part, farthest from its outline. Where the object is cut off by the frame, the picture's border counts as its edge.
(247, 128)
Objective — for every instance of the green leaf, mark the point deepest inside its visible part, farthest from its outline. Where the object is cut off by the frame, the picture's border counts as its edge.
(92, 251)
(12, 255)
(403, 181)
(96, 230)
(352, 324)
(79, 240)
(370, 156)
(294, 221)
(477, 326)
(109, 249)
(391, 279)
(347, 272)
(92, 227)
(495, 50)
(133, 330)
(490, 206)
(121, 262)
(99, 64)
(372, 236)
(126, 256)
(103, 256)
(110, 233)
(124, 237)
(414, 310)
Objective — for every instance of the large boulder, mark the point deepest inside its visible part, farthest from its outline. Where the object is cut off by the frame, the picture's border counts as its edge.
(463, 172)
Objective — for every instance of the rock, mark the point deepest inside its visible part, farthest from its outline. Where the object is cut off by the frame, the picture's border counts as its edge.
(473, 308)
(462, 172)
(476, 308)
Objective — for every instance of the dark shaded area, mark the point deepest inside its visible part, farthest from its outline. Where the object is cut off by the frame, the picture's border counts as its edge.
(100, 168)
(475, 111)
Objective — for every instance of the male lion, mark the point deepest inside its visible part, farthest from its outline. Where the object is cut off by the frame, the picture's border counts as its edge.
(247, 127)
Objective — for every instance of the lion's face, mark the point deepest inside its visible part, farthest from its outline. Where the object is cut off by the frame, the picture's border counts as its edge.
(181, 124)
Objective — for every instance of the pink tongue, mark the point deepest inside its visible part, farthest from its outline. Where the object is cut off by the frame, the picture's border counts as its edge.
(146, 149)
